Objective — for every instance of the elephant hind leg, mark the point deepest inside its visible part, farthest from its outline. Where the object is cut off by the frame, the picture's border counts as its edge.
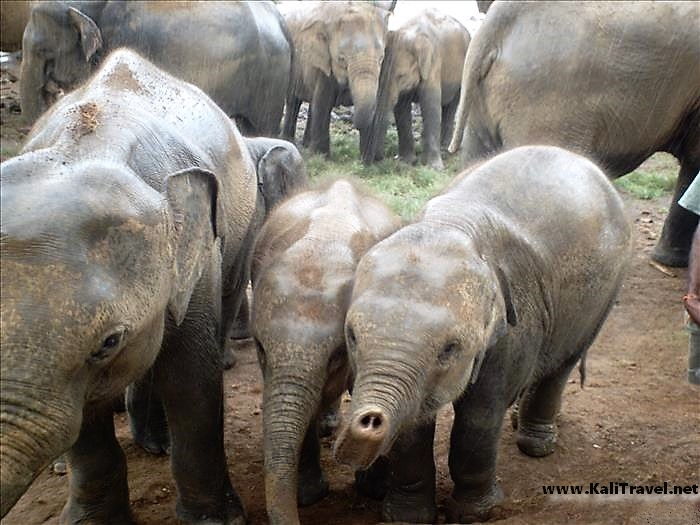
(147, 420)
(673, 247)
(537, 410)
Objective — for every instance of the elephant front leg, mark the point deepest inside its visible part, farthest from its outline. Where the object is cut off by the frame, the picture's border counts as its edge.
(431, 110)
(673, 247)
(404, 128)
(312, 485)
(321, 105)
(472, 461)
(537, 411)
(190, 379)
(411, 494)
(97, 474)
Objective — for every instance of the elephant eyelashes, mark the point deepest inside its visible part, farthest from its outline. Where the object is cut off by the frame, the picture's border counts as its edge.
(448, 352)
(110, 346)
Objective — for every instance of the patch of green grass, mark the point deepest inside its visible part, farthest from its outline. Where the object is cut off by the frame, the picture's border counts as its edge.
(656, 177)
(403, 187)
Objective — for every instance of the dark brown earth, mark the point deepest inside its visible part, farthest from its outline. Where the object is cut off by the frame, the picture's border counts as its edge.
(637, 420)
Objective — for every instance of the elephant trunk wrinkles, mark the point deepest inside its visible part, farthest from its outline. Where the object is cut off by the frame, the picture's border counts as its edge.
(292, 399)
(363, 79)
(35, 428)
(386, 386)
(31, 88)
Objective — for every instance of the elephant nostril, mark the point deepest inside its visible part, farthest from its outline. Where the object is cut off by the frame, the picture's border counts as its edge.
(371, 421)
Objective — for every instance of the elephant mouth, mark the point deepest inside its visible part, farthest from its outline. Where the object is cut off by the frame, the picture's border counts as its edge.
(53, 89)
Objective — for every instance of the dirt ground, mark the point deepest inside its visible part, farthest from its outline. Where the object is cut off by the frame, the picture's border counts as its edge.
(637, 420)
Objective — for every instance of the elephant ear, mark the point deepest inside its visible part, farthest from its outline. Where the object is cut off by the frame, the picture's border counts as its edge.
(280, 172)
(192, 196)
(424, 55)
(90, 34)
(313, 46)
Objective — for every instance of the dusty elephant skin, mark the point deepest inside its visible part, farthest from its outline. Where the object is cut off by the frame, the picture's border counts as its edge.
(424, 59)
(338, 53)
(614, 81)
(124, 249)
(210, 44)
(495, 292)
(280, 172)
(302, 271)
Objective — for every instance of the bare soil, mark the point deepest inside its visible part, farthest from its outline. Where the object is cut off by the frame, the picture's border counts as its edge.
(637, 420)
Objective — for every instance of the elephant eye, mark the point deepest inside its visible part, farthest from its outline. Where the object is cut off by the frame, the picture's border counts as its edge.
(448, 352)
(350, 338)
(110, 345)
(261, 355)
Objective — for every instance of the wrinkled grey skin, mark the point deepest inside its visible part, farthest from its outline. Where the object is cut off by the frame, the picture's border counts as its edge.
(303, 269)
(125, 233)
(280, 172)
(338, 53)
(14, 15)
(424, 60)
(239, 53)
(614, 81)
(498, 289)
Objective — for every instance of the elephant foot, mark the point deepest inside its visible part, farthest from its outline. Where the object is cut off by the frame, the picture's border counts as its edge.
(374, 482)
(74, 513)
(153, 441)
(234, 514)
(537, 440)
(410, 504)
(468, 507)
(311, 488)
(228, 358)
(436, 164)
(673, 257)
(408, 158)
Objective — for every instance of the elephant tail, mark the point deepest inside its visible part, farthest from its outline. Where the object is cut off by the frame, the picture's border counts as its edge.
(473, 74)
(582, 368)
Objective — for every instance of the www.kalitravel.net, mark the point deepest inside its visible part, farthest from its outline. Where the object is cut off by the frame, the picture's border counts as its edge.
(620, 490)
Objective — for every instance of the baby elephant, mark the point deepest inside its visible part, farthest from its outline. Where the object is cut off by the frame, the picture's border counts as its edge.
(497, 290)
(302, 273)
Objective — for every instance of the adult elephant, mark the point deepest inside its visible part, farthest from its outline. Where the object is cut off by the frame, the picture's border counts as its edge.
(615, 81)
(239, 53)
(423, 64)
(126, 229)
(338, 46)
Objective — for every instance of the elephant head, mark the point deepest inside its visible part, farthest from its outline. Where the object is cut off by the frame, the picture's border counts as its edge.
(60, 46)
(346, 40)
(280, 168)
(415, 348)
(95, 263)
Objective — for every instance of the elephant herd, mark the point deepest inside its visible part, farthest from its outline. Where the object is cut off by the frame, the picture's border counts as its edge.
(152, 188)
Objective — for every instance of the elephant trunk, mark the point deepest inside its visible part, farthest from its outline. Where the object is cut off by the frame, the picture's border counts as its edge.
(363, 79)
(31, 88)
(35, 428)
(291, 400)
(386, 394)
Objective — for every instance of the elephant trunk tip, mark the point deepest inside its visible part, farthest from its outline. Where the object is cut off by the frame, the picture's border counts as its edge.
(363, 439)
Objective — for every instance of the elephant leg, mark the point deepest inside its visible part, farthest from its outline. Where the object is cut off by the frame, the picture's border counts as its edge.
(448, 122)
(404, 128)
(189, 377)
(431, 110)
(411, 494)
(673, 247)
(290, 118)
(147, 420)
(97, 476)
(240, 328)
(537, 410)
(324, 96)
(473, 450)
(312, 486)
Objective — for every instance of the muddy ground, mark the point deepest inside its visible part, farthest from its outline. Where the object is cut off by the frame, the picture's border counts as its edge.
(637, 419)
